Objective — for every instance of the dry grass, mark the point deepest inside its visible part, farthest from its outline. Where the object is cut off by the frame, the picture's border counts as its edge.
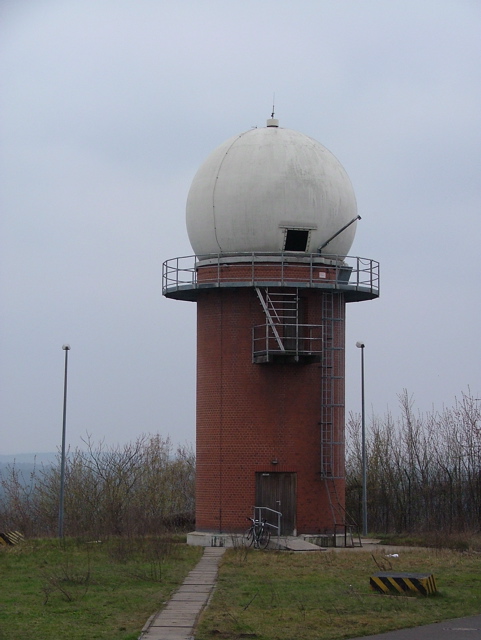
(326, 595)
(81, 590)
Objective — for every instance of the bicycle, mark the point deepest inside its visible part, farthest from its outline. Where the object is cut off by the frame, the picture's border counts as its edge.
(257, 534)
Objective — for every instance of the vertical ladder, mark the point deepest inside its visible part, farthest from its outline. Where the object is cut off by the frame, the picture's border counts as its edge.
(327, 387)
(332, 394)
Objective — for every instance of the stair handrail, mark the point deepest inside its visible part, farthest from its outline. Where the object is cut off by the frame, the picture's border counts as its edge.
(269, 319)
(258, 516)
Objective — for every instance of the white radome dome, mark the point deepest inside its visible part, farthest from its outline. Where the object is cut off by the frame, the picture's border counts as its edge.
(259, 185)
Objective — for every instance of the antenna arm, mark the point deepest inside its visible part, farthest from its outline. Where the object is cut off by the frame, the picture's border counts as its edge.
(337, 233)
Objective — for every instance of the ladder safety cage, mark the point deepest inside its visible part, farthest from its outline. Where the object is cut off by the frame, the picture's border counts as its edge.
(332, 447)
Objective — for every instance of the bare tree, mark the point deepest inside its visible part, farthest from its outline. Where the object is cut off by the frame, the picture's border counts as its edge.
(140, 488)
(424, 471)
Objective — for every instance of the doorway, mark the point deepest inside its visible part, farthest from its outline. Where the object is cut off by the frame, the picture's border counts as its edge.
(277, 491)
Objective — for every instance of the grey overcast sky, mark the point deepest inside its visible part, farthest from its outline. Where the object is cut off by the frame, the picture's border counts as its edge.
(106, 111)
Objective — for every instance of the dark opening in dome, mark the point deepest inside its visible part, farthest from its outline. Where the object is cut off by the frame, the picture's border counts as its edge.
(296, 240)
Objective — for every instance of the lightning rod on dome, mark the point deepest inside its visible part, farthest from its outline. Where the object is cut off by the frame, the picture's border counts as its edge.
(273, 122)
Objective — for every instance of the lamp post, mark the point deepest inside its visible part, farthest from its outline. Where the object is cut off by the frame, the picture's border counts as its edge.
(361, 346)
(66, 348)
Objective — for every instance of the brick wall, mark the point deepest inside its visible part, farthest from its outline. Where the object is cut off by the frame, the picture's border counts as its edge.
(249, 415)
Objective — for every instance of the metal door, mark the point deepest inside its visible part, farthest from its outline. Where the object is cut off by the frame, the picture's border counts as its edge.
(277, 491)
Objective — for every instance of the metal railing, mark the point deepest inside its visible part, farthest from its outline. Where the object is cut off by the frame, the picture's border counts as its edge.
(291, 339)
(349, 532)
(310, 270)
(258, 515)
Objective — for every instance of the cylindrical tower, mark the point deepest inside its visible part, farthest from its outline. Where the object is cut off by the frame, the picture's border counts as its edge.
(271, 216)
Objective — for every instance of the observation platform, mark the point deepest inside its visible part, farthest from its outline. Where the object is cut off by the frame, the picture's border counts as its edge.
(186, 277)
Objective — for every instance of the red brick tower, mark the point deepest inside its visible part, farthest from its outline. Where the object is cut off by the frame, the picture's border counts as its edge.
(271, 215)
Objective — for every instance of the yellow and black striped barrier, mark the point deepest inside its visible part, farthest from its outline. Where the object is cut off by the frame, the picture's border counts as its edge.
(11, 537)
(387, 581)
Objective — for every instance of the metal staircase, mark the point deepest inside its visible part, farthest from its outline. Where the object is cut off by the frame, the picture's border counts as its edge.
(283, 338)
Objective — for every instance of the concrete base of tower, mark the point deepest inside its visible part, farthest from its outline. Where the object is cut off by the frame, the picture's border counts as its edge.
(288, 543)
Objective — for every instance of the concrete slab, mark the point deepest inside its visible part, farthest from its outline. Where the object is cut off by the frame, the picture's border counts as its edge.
(186, 622)
(192, 596)
(212, 539)
(180, 607)
(217, 541)
(297, 544)
(204, 571)
(170, 634)
(195, 588)
(213, 552)
(198, 580)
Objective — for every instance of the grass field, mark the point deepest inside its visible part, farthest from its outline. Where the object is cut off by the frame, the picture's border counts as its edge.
(88, 590)
(107, 590)
(326, 595)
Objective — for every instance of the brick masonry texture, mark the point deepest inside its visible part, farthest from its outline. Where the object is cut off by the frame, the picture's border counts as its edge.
(251, 414)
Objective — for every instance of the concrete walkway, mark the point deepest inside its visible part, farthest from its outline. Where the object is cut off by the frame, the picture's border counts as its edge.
(459, 629)
(177, 621)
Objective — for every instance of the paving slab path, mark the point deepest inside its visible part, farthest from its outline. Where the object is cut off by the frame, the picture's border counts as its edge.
(178, 619)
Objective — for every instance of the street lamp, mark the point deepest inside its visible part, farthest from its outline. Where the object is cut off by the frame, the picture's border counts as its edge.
(66, 348)
(361, 345)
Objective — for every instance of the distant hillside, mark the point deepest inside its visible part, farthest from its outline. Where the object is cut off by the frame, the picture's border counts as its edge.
(25, 464)
(39, 458)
